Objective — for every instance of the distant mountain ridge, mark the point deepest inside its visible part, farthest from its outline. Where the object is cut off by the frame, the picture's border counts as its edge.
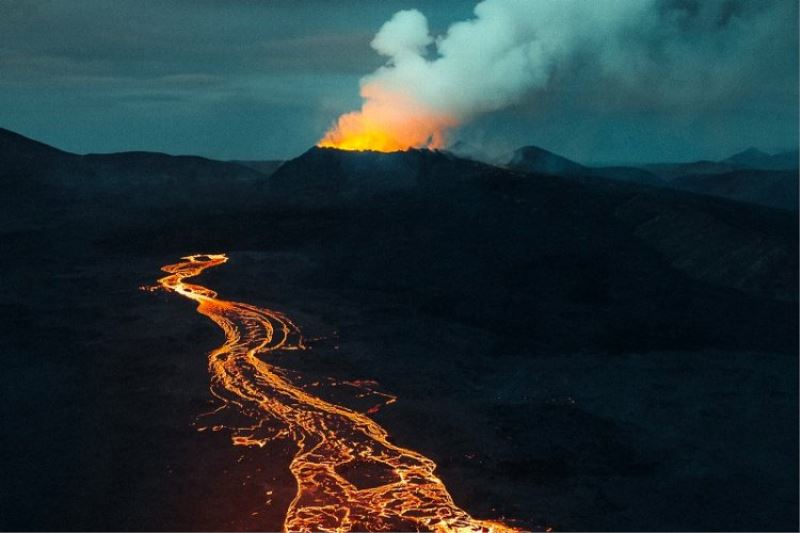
(536, 159)
(670, 171)
(774, 188)
(29, 164)
(749, 176)
(758, 160)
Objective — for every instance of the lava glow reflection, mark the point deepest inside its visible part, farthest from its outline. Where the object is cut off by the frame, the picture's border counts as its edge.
(388, 122)
(330, 439)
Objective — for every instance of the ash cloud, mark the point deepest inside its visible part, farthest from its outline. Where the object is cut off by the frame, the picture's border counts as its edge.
(645, 55)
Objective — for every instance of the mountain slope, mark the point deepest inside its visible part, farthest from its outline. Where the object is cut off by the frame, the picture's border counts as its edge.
(535, 159)
(756, 159)
(142, 169)
(29, 159)
(30, 167)
(335, 176)
(764, 187)
(266, 167)
(670, 171)
(750, 176)
(323, 173)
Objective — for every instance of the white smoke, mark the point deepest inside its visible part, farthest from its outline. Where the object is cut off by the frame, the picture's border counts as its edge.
(671, 56)
(509, 48)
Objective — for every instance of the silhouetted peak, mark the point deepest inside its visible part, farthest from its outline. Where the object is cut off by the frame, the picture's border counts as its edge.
(757, 159)
(536, 159)
(748, 156)
(334, 171)
(12, 142)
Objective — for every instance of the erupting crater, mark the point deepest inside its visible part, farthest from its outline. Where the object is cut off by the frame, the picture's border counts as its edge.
(388, 121)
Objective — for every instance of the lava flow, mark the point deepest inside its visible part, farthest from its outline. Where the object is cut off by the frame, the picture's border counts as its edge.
(330, 439)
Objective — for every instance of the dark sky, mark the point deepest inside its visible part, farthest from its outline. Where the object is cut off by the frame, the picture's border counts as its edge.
(262, 79)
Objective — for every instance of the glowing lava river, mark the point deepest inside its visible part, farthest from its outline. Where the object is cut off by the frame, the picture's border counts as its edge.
(328, 438)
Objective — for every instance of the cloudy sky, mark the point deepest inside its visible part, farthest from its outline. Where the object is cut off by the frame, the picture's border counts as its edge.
(263, 79)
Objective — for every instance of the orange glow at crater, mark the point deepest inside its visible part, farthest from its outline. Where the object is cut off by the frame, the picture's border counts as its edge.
(388, 122)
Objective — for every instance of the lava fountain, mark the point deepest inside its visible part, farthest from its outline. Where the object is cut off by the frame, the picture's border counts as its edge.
(330, 439)
(388, 121)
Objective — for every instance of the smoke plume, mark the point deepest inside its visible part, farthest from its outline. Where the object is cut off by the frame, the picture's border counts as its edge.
(686, 56)
(509, 48)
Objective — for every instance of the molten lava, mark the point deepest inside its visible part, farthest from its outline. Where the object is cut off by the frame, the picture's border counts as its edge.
(331, 440)
(388, 122)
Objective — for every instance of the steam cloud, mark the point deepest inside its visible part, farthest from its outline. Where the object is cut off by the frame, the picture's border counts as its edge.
(514, 47)
(480, 65)
(510, 48)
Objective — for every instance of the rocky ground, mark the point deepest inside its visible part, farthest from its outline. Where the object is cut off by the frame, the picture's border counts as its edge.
(565, 359)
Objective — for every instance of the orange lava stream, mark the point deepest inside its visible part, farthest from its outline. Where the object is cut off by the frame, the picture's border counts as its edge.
(328, 437)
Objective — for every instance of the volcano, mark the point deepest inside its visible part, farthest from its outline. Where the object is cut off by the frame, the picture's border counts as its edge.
(536, 159)
(538, 331)
(518, 211)
(322, 172)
